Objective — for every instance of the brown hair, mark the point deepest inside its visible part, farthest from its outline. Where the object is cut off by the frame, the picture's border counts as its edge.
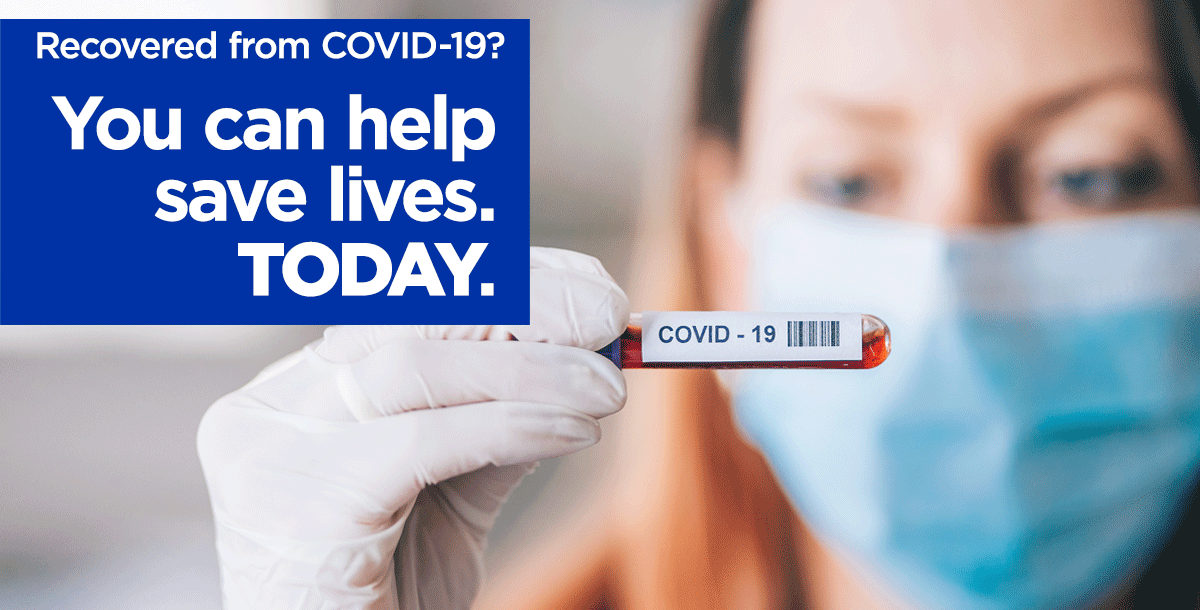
(697, 520)
(718, 531)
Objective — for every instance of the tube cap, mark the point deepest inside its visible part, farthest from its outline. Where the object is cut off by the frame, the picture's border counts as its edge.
(612, 351)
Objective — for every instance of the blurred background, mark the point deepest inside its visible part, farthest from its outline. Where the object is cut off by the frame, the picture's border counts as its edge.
(102, 501)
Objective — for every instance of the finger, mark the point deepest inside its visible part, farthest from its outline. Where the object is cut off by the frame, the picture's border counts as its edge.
(410, 374)
(557, 258)
(353, 343)
(312, 468)
(571, 304)
(306, 384)
(569, 307)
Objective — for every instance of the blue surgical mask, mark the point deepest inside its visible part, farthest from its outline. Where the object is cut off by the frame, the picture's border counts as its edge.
(1033, 435)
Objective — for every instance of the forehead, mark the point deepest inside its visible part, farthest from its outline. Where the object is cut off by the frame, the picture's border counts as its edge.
(942, 55)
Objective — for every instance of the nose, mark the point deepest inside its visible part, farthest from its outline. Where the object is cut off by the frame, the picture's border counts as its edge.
(962, 183)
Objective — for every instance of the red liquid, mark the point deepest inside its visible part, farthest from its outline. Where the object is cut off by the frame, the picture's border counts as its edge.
(876, 345)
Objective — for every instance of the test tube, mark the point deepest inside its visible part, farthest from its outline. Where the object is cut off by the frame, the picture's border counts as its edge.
(750, 340)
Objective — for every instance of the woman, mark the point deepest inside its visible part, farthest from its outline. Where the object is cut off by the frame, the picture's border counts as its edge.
(964, 115)
(1011, 184)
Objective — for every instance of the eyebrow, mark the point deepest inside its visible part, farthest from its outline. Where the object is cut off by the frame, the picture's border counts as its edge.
(873, 114)
(1079, 93)
(892, 117)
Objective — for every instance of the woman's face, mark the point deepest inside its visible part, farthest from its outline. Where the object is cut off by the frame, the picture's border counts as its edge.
(953, 113)
(957, 114)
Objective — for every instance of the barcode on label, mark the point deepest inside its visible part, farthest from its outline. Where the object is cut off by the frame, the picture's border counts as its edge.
(814, 333)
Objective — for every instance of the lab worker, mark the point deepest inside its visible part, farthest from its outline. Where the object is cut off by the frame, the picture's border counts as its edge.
(1011, 184)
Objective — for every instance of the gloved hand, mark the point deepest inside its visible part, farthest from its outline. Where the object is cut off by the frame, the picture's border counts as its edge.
(365, 470)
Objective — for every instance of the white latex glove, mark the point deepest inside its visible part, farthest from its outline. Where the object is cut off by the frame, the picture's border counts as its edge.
(366, 470)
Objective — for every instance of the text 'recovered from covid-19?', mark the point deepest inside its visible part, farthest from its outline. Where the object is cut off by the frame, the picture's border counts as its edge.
(264, 172)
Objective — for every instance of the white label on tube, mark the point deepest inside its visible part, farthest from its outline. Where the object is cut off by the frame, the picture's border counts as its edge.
(743, 336)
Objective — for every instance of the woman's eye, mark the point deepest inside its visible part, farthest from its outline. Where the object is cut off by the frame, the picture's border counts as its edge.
(841, 190)
(1110, 186)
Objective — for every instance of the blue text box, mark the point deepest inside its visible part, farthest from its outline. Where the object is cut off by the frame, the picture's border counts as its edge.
(80, 242)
